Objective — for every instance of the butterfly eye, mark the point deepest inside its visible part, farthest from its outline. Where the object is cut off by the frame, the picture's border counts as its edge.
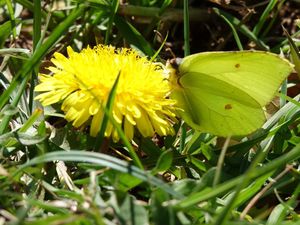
(175, 62)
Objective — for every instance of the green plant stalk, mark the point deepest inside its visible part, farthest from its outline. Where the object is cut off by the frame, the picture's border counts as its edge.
(186, 33)
(186, 28)
(235, 34)
(35, 115)
(37, 30)
(160, 48)
(37, 27)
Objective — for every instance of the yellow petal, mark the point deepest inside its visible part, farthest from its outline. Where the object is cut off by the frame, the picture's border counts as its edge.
(128, 129)
(96, 124)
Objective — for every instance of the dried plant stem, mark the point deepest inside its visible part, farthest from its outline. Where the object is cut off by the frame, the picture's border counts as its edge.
(267, 187)
(171, 14)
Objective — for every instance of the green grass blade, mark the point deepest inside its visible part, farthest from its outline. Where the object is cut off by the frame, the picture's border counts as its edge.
(242, 28)
(274, 19)
(101, 160)
(264, 17)
(246, 180)
(33, 118)
(133, 36)
(235, 34)
(108, 108)
(37, 21)
(41, 52)
(12, 17)
(108, 116)
(159, 50)
(295, 55)
(24, 73)
(186, 36)
(20, 91)
(37, 32)
(221, 162)
(114, 9)
(186, 28)
(278, 47)
(291, 106)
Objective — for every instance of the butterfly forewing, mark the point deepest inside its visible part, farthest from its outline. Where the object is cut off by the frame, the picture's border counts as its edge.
(259, 74)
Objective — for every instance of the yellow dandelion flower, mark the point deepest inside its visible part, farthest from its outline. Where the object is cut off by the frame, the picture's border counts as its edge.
(82, 82)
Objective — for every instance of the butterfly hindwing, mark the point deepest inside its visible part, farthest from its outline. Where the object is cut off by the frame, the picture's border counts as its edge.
(213, 106)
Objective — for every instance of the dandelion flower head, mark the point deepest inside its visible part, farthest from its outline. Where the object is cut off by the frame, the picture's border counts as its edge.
(82, 83)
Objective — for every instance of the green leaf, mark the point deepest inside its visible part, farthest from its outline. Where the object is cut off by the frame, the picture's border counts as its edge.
(164, 162)
(198, 163)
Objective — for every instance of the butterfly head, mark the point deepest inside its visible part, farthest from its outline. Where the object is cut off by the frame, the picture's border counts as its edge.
(172, 67)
